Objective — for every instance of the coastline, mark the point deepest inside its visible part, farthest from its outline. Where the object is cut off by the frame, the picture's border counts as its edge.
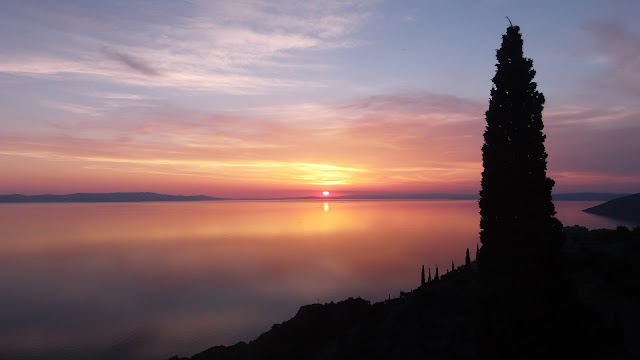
(437, 320)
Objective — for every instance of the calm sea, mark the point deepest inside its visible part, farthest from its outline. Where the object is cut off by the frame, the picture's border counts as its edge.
(152, 280)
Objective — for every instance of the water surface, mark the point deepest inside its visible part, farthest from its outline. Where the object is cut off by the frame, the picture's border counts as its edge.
(151, 280)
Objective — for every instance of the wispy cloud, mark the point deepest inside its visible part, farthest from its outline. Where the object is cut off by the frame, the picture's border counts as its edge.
(593, 118)
(119, 96)
(75, 108)
(590, 147)
(102, 105)
(131, 62)
(410, 140)
(617, 44)
(364, 142)
(228, 47)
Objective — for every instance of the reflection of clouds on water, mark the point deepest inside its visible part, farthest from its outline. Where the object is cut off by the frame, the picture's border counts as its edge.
(131, 281)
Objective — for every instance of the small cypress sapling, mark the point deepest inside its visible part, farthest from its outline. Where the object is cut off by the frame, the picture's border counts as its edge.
(437, 277)
(422, 278)
(467, 259)
(429, 279)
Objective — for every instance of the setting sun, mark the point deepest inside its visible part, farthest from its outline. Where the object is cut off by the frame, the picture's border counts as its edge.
(325, 193)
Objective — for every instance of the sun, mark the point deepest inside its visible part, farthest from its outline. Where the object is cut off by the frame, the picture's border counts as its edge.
(325, 193)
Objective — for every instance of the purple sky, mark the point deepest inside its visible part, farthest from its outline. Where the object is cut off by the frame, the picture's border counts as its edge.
(272, 98)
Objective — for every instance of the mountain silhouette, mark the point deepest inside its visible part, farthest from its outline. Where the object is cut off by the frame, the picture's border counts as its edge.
(101, 197)
(626, 207)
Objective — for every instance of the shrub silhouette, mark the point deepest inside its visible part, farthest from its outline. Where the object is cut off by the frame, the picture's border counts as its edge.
(623, 229)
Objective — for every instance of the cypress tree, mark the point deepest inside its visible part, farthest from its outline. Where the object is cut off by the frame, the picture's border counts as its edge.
(520, 235)
(437, 277)
(519, 231)
(422, 278)
(429, 278)
(467, 259)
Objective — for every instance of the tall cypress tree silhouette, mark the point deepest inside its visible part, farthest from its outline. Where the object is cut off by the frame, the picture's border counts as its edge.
(422, 280)
(519, 231)
(520, 235)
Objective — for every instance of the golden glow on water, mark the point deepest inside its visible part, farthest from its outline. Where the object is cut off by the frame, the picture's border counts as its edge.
(206, 273)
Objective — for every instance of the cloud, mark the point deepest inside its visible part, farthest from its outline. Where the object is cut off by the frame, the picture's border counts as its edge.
(412, 141)
(590, 147)
(447, 108)
(327, 20)
(193, 79)
(76, 108)
(130, 61)
(593, 118)
(408, 18)
(384, 140)
(605, 151)
(119, 96)
(227, 47)
(125, 156)
(617, 45)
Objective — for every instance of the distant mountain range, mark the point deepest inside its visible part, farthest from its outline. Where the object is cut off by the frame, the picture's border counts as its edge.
(626, 207)
(587, 196)
(149, 196)
(583, 196)
(102, 197)
(418, 196)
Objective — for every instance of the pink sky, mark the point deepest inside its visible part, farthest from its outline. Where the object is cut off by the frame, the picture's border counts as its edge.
(277, 99)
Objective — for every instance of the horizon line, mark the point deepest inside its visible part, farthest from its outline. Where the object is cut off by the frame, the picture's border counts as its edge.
(160, 197)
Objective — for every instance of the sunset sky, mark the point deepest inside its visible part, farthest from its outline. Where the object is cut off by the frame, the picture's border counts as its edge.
(290, 98)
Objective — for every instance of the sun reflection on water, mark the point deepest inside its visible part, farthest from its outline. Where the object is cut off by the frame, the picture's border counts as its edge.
(326, 207)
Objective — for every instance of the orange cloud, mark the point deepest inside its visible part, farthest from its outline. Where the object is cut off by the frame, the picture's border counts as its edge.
(371, 143)
(399, 142)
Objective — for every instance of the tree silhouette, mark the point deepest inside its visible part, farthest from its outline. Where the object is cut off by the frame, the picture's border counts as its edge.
(436, 277)
(467, 259)
(422, 278)
(520, 235)
(519, 230)
(623, 229)
(429, 278)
